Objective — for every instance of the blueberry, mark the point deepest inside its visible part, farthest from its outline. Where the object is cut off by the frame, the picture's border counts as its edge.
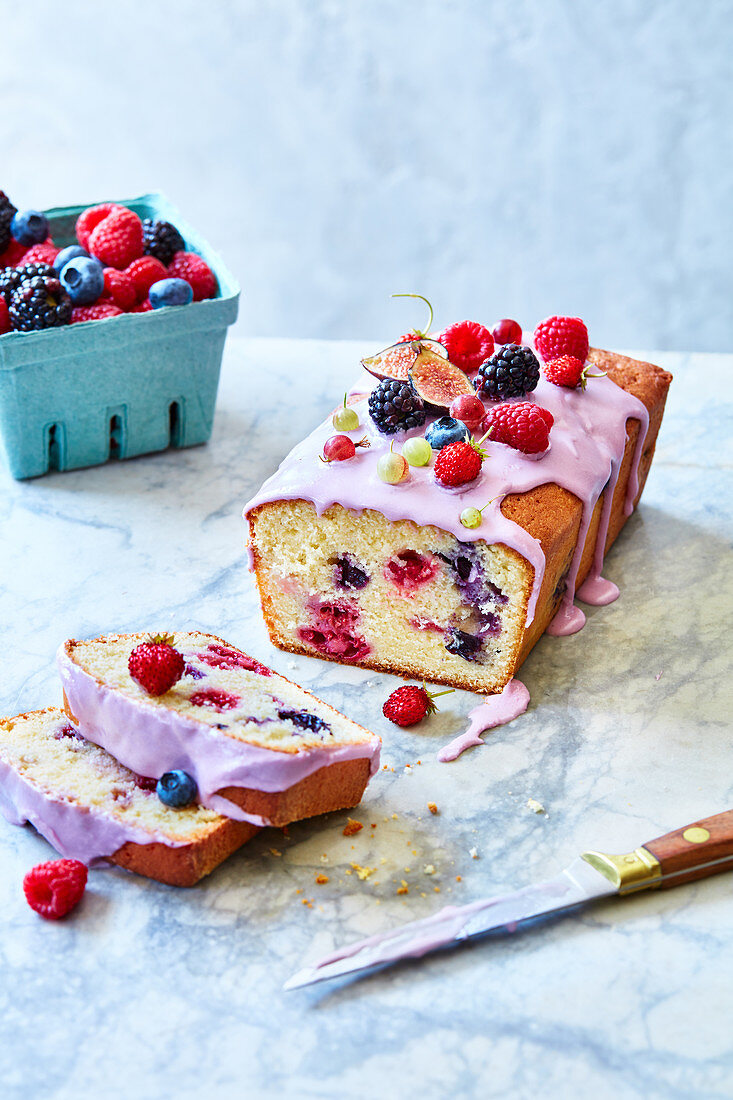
(71, 252)
(347, 574)
(29, 227)
(170, 292)
(83, 278)
(176, 789)
(304, 720)
(446, 430)
(462, 644)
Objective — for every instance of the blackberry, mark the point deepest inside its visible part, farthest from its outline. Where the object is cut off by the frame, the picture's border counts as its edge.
(12, 277)
(304, 720)
(510, 372)
(162, 240)
(40, 302)
(394, 407)
(7, 213)
(462, 644)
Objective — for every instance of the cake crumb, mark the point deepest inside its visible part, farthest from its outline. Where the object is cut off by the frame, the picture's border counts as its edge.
(322, 879)
(299, 891)
(363, 872)
(407, 870)
(373, 825)
(324, 858)
(395, 817)
(436, 889)
(275, 852)
(348, 871)
(535, 806)
(352, 827)
(473, 852)
(458, 878)
(305, 901)
(404, 888)
(382, 859)
(432, 807)
(428, 869)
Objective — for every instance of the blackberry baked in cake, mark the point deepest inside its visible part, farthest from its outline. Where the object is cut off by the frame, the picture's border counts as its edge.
(89, 807)
(450, 571)
(255, 746)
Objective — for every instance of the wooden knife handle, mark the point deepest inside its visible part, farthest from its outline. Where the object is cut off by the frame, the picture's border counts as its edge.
(696, 851)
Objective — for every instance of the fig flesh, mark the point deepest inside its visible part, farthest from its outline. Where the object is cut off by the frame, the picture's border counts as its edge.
(398, 360)
(438, 381)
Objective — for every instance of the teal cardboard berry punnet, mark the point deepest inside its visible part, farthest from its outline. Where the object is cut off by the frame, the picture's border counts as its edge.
(82, 394)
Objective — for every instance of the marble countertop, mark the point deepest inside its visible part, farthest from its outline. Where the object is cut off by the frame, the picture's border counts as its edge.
(150, 991)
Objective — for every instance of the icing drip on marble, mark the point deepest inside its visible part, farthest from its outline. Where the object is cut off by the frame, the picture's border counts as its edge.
(496, 710)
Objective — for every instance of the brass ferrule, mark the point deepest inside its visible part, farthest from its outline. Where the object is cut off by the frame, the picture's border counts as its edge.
(636, 870)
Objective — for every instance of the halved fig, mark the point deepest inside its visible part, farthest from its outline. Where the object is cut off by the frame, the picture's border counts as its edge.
(397, 360)
(438, 381)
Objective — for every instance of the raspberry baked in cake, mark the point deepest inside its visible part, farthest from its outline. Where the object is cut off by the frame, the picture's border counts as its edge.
(91, 808)
(253, 745)
(427, 551)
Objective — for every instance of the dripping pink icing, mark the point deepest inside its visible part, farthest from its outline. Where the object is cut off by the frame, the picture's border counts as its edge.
(585, 452)
(494, 711)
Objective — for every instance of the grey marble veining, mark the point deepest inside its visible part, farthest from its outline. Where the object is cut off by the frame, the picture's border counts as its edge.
(149, 991)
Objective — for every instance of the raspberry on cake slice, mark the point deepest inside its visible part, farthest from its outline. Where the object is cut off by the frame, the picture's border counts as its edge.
(91, 808)
(255, 746)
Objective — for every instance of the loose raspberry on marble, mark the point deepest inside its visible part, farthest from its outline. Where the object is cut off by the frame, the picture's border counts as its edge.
(54, 888)
(215, 699)
(468, 344)
(156, 665)
(569, 372)
(409, 705)
(524, 426)
(196, 272)
(117, 240)
(556, 336)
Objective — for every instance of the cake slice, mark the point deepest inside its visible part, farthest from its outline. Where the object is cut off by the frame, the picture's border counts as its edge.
(89, 807)
(258, 747)
(386, 576)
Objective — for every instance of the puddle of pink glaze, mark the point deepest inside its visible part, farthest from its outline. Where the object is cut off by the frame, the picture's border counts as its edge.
(568, 620)
(495, 711)
(598, 592)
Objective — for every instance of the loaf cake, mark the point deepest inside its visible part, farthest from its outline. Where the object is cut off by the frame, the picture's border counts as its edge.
(258, 747)
(89, 807)
(386, 576)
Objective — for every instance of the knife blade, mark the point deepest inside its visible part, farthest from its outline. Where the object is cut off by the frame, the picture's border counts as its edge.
(693, 852)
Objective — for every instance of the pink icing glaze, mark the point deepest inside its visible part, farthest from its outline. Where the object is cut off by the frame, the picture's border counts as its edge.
(494, 711)
(586, 448)
(151, 740)
(74, 831)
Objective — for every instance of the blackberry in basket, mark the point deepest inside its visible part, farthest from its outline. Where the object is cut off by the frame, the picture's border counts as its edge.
(39, 302)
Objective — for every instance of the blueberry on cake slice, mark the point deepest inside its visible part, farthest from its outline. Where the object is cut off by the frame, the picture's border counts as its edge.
(445, 545)
(255, 746)
(89, 807)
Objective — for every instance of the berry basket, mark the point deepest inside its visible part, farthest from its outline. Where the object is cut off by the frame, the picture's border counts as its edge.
(82, 394)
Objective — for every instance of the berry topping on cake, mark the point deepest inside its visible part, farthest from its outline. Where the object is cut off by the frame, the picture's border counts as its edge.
(556, 336)
(53, 889)
(473, 517)
(569, 371)
(437, 382)
(395, 407)
(304, 720)
(447, 430)
(417, 451)
(459, 463)
(507, 331)
(217, 700)
(468, 344)
(469, 409)
(162, 240)
(155, 665)
(117, 239)
(392, 468)
(513, 371)
(524, 426)
(38, 303)
(409, 705)
(397, 361)
(339, 448)
(176, 789)
(345, 419)
(196, 272)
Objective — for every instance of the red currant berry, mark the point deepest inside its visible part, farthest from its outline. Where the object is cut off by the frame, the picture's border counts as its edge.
(338, 448)
(469, 410)
(507, 331)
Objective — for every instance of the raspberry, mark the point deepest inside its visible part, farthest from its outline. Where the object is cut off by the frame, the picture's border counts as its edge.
(44, 253)
(196, 272)
(221, 656)
(96, 312)
(120, 288)
(512, 371)
(507, 331)
(118, 239)
(409, 705)
(468, 344)
(13, 254)
(143, 273)
(90, 218)
(558, 336)
(155, 665)
(53, 889)
(144, 307)
(217, 700)
(458, 463)
(4, 317)
(524, 426)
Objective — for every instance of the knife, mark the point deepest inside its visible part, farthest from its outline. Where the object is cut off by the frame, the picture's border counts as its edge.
(693, 852)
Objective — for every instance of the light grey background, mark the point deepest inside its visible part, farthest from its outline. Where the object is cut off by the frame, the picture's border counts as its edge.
(518, 158)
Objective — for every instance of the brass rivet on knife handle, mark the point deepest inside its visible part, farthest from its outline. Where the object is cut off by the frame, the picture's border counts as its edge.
(695, 851)
(635, 870)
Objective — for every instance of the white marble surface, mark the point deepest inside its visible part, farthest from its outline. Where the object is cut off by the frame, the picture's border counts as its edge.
(148, 991)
